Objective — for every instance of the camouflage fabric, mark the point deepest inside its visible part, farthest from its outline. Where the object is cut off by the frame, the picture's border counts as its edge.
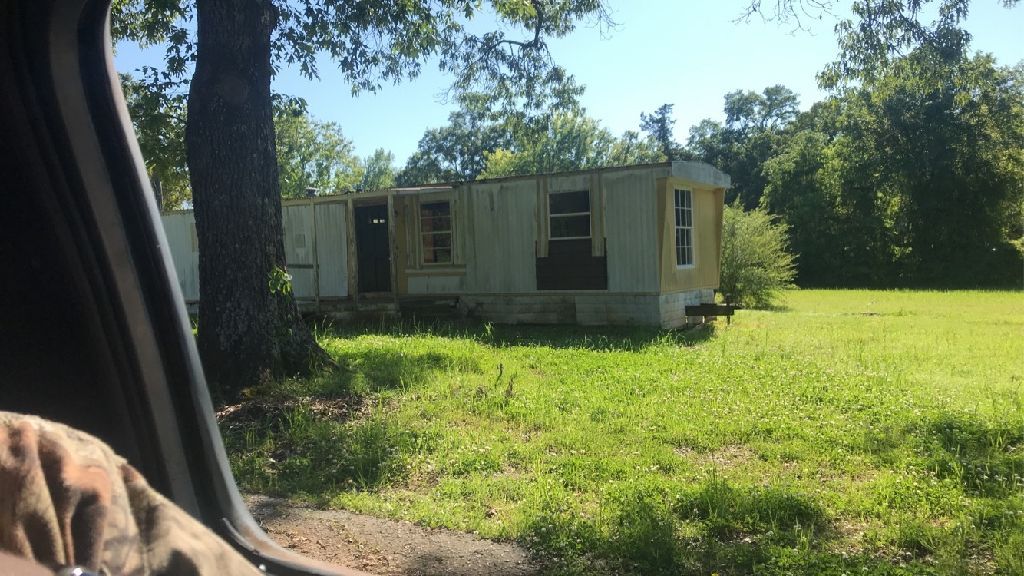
(66, 498)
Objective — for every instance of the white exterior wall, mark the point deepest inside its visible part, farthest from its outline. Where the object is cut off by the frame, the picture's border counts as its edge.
(298, 248)
(332, 249)
(500, 232)
(328, 244)
(631, 229)
(179, 227)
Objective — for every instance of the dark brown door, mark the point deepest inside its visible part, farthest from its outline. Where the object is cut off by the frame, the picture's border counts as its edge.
(372, 249)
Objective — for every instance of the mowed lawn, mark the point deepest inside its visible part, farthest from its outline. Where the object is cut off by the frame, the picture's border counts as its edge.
(856, 432)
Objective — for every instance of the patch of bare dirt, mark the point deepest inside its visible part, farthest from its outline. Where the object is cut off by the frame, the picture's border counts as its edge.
(724, 458)
(385, 547)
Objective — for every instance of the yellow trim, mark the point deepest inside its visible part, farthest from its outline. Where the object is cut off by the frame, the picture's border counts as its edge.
(707, 236)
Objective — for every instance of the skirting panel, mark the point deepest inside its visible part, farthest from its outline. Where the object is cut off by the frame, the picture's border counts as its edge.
(664, 310)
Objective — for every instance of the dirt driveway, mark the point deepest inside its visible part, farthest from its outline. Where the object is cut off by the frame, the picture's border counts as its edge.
(386, 547)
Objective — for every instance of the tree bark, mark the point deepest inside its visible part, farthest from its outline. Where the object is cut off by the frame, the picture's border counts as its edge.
(250, 330)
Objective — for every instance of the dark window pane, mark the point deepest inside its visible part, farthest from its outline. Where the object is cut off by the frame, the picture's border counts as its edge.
(436, 224)
(570, 226)
(437, 241)
(437, 256)
(435, 209)
(570, 202)
(442, 240)
(688, 218)
(679, 217)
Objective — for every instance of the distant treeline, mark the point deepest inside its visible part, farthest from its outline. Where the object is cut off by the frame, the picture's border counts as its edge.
(911, 173)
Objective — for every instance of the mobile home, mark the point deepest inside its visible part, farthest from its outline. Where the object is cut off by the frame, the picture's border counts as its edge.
(629, 245)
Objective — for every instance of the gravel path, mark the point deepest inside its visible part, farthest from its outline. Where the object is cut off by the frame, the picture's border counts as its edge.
(385, 547)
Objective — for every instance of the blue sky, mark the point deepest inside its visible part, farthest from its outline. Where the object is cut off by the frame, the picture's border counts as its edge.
(661, 51)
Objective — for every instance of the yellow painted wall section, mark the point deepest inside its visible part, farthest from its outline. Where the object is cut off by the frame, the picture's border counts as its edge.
(707, 236)
(405, 228)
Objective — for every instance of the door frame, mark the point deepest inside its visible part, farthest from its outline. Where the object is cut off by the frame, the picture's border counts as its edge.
(387, 203)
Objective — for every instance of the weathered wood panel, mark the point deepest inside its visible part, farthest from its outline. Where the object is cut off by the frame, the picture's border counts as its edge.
(298, 248)
(180, 229)
(500, 236)
(631, 229)
(436, 284)
(332, 249)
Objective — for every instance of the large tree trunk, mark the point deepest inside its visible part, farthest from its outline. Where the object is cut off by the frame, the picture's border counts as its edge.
(249, 326)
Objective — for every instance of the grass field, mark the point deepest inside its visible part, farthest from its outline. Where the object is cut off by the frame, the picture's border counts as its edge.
(847, 432)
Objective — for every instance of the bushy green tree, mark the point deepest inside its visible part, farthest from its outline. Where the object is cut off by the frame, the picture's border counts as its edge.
(658, 125)
(756, 262)
(457, 152)
(379, 171)
(314, 154)
(913, 177)
(569, 142)
(158, 116)
(755, 129)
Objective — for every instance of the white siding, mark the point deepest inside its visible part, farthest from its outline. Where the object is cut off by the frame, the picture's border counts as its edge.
(298, 248)
(631, 229)
(433, 284)
(501, 234)
(332, 250)
(180, 230)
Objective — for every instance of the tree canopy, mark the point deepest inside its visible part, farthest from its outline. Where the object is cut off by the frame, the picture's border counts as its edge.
(754, 129)
(314, 154)
(569, 142)
(158, 116)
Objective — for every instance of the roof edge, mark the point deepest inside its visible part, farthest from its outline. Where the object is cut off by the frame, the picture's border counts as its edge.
(701, 172)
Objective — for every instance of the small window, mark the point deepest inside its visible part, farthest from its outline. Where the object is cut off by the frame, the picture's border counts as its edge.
(684, 227)
(436, 232)
(570, 215)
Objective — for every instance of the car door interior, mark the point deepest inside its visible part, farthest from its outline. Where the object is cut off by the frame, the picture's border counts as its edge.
(93, 329)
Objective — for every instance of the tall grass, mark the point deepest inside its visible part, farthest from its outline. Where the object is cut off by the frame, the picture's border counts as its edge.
(847, 432)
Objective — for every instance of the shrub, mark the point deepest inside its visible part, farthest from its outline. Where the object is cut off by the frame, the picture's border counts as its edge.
(756, 263)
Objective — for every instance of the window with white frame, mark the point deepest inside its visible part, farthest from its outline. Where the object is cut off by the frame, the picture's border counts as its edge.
(684, 227)
(436, 232)
(569, 215)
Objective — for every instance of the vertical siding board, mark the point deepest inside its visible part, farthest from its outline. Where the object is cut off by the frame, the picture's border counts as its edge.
(298, 248)
(631, 231)
(332, 249)
(503, 237)
(178, 228)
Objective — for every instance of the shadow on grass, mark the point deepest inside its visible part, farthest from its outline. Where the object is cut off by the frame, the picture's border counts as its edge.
(312, 437)
(987, 459)
(599, 338)
(305, 450)
(707, 529)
